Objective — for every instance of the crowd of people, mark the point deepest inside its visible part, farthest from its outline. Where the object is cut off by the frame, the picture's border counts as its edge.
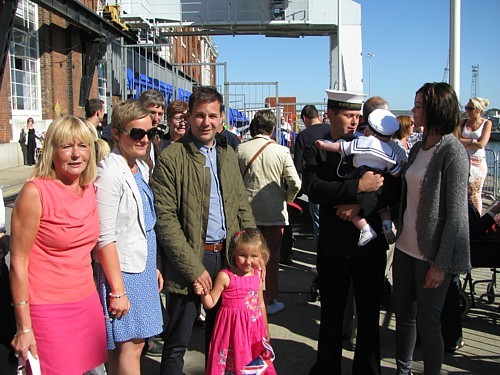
(116, 214)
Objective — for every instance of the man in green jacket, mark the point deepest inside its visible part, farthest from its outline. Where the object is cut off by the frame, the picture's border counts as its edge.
(200, 203)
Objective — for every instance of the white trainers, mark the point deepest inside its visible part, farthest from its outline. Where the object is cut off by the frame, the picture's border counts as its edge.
(389, 234)
(366, 236)
(275, 307)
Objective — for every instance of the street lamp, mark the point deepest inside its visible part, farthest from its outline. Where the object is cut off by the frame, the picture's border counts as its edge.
(370, 55)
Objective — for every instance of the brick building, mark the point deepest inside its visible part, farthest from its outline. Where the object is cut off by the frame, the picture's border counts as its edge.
(58, 58)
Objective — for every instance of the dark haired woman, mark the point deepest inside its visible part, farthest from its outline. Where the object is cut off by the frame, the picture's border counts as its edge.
(433, 237)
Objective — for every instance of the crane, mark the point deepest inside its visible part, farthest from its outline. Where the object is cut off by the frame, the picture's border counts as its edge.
(446, 71)
(474, 89)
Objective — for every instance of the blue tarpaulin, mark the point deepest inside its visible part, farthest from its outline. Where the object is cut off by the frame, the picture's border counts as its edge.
(237, 118)
(183, 95)
(141, 82)
(156, 84)
(130, 79)
(167, 90)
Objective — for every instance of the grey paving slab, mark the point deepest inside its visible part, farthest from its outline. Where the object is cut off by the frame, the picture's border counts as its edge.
(13, 179)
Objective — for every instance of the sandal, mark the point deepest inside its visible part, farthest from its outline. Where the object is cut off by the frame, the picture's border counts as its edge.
(453, 349)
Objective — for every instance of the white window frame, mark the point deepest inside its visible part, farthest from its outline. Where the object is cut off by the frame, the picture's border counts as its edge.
(102, 83)
(27, 79)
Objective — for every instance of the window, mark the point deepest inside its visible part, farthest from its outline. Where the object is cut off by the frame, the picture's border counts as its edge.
(24, 63)
(102, 82)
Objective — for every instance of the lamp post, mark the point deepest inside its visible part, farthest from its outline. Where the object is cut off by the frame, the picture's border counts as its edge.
(370, 55)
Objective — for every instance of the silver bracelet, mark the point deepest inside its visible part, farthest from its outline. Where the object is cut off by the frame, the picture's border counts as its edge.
(19, 333)
(118, 295)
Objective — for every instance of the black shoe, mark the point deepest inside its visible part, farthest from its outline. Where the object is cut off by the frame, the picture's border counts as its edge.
(453, 349)
(200, 321)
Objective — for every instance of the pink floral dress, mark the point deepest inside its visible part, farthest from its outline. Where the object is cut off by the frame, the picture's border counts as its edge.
(239, 327)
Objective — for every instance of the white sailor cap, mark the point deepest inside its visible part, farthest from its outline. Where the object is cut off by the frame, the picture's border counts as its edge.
(383, 122)
(344, 99)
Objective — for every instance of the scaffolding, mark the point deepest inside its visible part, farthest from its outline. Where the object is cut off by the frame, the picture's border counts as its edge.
(249, 97)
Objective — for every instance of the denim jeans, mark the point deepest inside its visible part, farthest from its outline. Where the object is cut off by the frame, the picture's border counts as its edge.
(417, 306)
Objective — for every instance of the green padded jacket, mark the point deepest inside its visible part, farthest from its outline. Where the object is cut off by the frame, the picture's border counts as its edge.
(181, 186)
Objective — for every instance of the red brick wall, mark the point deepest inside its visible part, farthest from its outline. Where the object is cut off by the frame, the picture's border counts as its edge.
(54, 57)
(61, 66)
(183, 55)
(288, 106)
(5, 106)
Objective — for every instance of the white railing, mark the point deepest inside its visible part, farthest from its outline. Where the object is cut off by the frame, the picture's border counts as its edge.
(491, 188)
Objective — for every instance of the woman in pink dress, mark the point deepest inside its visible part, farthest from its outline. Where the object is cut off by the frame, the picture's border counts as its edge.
(241, 323)
(55, 226)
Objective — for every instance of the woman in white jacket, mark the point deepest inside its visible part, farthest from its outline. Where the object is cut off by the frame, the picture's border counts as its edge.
(128, 280)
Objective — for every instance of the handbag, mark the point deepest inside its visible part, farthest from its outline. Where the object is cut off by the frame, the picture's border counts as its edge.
(260, 364)
(22, 136)
(32, 366)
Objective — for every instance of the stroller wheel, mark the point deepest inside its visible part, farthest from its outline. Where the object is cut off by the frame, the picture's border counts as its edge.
(491, 292)
(314, 295)
(314, 291)
(464, 302)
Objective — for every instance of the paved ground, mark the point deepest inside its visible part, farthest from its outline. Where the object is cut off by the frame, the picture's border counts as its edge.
(12, 179)
(294, 331)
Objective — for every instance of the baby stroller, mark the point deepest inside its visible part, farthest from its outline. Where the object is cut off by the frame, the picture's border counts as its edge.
(315, 287)
(484, 254)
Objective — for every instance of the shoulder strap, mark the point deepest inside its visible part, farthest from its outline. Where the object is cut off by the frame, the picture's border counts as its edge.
(255, 157)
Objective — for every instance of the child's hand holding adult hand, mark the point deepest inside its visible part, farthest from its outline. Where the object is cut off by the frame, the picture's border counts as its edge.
(198, 288)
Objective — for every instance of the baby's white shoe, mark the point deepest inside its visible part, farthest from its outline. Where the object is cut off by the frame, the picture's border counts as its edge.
(366, 236)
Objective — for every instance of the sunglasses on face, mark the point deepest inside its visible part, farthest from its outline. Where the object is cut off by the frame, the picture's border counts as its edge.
(179, 119)
(468, 108)
(137, 134)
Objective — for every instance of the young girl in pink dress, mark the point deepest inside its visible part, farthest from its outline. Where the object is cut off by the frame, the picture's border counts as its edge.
(241, 323)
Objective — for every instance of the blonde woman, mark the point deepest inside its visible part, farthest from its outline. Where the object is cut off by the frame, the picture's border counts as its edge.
(475, 134)
(55, 226)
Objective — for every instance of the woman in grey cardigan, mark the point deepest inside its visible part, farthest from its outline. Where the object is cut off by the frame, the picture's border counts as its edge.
(433, 236)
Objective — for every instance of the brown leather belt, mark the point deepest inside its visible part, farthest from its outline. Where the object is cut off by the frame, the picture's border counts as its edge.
(215, 247)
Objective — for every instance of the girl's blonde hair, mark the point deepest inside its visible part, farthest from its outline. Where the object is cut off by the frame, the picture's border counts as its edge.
(248, 236)
(63, 130)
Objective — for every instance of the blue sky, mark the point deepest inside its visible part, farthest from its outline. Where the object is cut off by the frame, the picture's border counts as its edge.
(410, 40)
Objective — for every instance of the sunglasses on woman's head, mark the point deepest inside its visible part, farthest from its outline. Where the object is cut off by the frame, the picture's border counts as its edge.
(468, 108)
(137, 134)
